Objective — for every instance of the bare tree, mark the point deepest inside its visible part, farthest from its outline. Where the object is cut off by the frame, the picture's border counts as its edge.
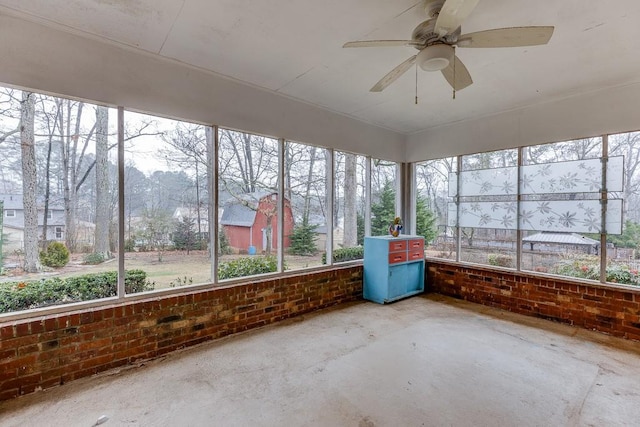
(102, 183)
(29, 183)
(188, 150)
(50, 123)
(628, 145)
(350, 192)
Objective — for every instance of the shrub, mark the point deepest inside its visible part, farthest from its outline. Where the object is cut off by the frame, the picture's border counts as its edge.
(55, 255)
(93, 258)
(223, 243)
(24, 295)
(588, 267)
(129, 245)
(500, 260)
(345, 254)
(247, 266)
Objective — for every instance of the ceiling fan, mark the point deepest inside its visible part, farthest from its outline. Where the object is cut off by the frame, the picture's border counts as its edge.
(437, 37)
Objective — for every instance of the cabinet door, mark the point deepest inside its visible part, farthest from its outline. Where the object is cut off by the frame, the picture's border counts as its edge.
(397, 281)
(415, 276)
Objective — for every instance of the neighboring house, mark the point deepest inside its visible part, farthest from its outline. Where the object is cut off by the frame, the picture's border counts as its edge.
(245, 218)
(182, 212)
(13, 224)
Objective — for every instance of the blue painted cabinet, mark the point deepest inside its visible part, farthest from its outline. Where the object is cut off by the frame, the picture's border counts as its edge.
(393, 267)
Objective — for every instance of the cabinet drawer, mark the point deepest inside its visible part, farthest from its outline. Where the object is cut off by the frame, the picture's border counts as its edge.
(416, 254)
(397, 257)
(416, 244)
(397, 245)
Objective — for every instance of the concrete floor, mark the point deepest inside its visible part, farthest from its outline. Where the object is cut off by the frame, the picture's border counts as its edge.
(424, 361)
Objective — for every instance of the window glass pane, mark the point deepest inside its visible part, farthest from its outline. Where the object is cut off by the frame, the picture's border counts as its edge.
(623, 255)
(306, 189)
(248, 194)
(383, 196)
(349, 207)
(560, 211)
(166, 201)
(488, 208)
(57, 185)
(432, 183)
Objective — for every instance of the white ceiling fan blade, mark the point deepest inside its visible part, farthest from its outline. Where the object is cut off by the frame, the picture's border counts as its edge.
(452, 14)
(507, 37)
(381, 43)
(457, 75)
(393, 75)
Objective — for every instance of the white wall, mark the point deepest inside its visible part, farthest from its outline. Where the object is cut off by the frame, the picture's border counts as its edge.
(610, 110)
(53, 61)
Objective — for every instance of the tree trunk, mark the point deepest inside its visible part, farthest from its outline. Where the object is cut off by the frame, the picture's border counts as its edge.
(198, 202)
(350, 211)
(47, 193)
(101, 240)
(212, 213)
(248, 155)
(29, 182)
(70, 173)
(307, 193)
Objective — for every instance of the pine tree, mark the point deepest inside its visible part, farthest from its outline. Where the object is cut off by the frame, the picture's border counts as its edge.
(184, 238)
(383, 212)
(224, 248)
(303, 239)
(425, 220)
(360, 222)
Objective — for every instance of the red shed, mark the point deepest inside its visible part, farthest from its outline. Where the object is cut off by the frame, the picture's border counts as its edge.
(245, 220)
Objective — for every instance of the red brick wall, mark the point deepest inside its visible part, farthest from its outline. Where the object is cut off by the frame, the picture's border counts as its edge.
(54, 349)
(614, 310)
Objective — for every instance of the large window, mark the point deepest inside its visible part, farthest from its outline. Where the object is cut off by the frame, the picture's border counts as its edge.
(487, 208)
(432, 190)
(349, 208)
(623, 250)
(166, 201)
(58, 186)
(560, 211)
(248, 194)
(545, 208)
(383, 196)
(305, 178)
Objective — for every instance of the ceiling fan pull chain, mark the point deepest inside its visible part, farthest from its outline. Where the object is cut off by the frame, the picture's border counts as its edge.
(454, 72)
(416, 83)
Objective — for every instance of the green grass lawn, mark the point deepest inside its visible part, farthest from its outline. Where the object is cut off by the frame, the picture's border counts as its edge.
(175, 266)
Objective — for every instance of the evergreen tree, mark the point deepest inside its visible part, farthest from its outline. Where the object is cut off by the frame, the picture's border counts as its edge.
(360, 222)
(425, 220)
(383, 211)
(630, 237)
(303, 239)
(224, 248)
(184, 237)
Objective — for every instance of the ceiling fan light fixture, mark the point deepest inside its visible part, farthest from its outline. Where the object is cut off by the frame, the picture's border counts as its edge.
(436, 57)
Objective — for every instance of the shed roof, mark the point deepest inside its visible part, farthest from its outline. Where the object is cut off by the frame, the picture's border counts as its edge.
(238, 214)
(561, 239)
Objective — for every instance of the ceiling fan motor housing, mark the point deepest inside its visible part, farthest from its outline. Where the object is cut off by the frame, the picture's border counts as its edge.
(435, 57)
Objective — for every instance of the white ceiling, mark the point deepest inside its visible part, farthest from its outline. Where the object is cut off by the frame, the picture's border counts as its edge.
(295, 48)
